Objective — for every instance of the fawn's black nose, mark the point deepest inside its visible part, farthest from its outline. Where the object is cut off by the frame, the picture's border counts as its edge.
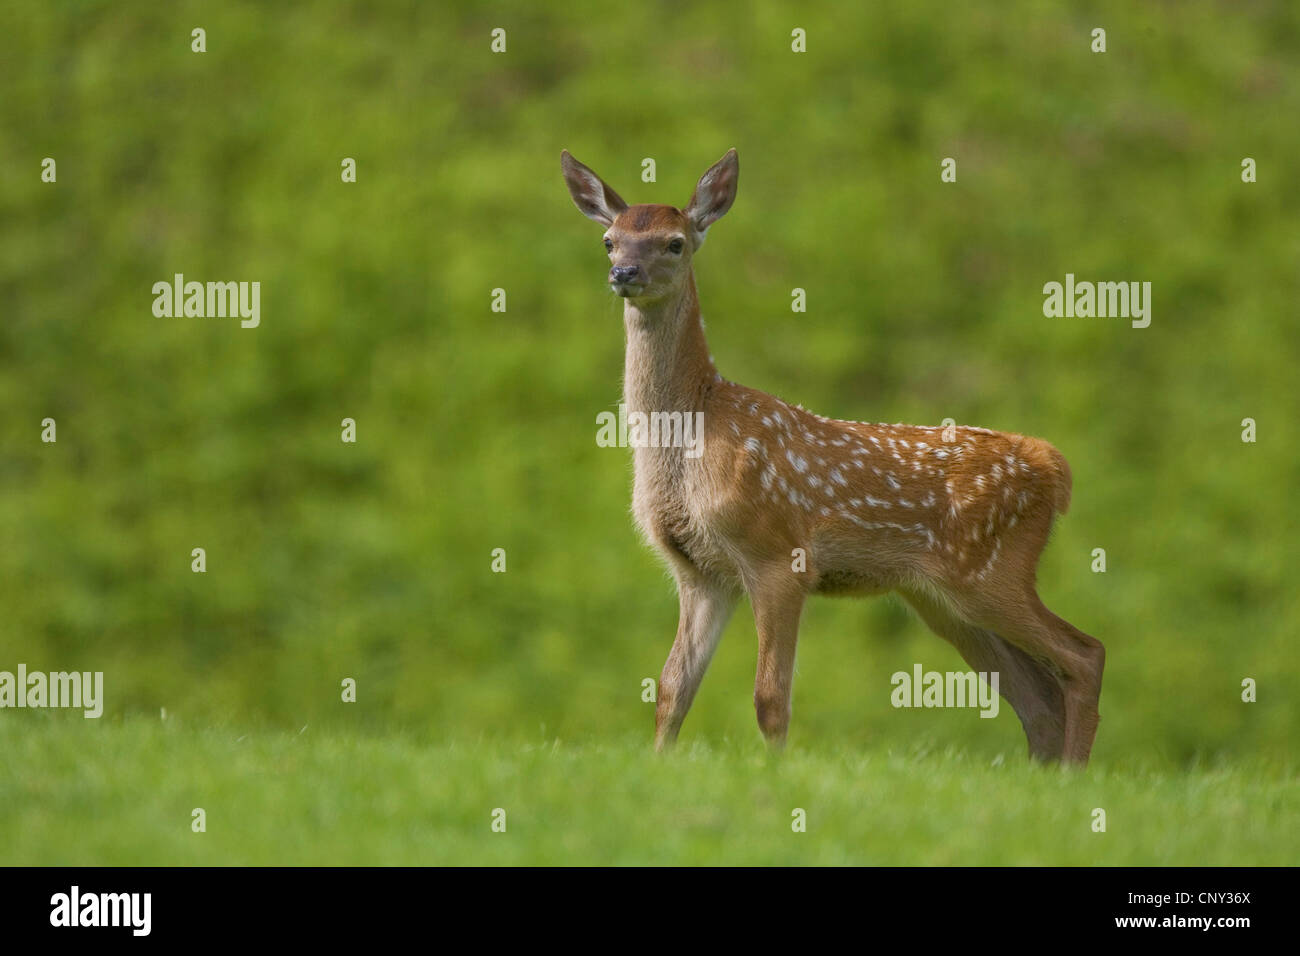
(625, 274)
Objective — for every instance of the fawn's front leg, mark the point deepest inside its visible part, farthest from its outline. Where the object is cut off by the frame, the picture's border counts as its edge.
(778, 599)
(706, 606)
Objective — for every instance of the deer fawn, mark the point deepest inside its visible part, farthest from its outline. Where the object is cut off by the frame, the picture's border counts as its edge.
(953, 519)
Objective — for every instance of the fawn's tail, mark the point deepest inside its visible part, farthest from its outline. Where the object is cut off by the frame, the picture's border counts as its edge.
(1050, 463)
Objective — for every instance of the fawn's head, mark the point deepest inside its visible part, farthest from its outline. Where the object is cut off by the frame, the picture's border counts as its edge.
(650, 246)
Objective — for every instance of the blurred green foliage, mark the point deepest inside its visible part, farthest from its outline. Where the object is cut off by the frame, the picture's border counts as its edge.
(476, 429)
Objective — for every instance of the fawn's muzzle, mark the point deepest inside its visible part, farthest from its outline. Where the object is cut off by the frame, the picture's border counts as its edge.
(624, 275)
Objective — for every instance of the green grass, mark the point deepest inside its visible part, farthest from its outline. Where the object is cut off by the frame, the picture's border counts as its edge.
(121, 793)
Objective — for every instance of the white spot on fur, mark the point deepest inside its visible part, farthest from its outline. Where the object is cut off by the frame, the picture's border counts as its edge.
(988, 565)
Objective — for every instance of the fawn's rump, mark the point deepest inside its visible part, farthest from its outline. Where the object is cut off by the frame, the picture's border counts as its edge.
(962, 511)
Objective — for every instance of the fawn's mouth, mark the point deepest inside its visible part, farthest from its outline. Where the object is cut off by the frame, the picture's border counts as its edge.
(627, 289)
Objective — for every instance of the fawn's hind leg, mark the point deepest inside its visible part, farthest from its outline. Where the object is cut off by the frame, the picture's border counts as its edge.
(1082, 683)
(1076, 658)
(1028, 685)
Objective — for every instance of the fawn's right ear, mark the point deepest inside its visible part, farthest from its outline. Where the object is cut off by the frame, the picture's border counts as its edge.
(590, 194)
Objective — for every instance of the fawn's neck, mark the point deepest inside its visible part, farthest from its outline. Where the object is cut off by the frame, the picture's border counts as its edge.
(668, 367)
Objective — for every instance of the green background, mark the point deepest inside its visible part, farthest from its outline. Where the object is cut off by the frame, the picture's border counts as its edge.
(476, 430)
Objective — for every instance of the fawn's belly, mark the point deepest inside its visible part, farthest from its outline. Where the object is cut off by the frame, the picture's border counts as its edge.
(852, 582)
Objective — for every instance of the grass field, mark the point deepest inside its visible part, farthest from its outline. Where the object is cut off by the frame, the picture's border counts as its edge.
(124, 794)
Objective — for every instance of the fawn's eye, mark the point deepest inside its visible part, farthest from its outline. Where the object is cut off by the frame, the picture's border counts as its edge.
(675, 246)
(609, 245)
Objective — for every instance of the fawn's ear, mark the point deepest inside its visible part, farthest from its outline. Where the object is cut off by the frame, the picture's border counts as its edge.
(714, 194)
(590, 194)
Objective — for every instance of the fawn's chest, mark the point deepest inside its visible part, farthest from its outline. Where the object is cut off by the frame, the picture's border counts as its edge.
(671, 505)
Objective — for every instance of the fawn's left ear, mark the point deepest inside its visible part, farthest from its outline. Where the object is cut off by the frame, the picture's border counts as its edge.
(714, 194)
(590, 193)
